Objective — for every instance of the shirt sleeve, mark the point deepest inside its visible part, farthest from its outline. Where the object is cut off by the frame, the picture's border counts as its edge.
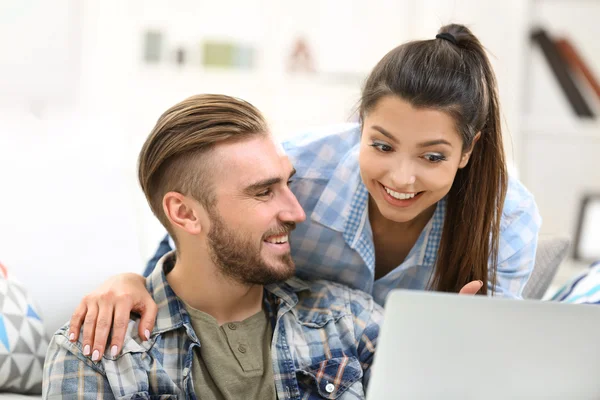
(368, 317)
(517, 248)
(67, 376)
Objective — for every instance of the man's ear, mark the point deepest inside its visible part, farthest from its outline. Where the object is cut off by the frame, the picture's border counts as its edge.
(183, 212)
(466, 155)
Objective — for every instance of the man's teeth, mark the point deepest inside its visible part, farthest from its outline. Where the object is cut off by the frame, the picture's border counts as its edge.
(398, 195)
(278, 239)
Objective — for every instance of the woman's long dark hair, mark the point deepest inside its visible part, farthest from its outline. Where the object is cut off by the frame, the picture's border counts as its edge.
(453, 74)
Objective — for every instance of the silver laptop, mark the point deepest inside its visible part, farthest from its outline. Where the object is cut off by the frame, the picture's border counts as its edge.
(445, 346)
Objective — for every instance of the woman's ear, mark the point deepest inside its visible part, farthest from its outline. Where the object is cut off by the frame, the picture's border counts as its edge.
(466, 155)
(183, 212)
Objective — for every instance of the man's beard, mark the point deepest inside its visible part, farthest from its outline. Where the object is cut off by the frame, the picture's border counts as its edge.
(241, 260)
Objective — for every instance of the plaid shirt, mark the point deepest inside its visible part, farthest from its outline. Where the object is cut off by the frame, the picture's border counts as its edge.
(324, 338)
(335, 242)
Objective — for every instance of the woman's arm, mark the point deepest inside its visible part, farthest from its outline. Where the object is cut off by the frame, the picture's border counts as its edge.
(109, 306)
(518, 243)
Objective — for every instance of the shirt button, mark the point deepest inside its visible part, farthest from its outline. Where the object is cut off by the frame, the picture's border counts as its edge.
(232, 326)
(242, 348)
(329, 387)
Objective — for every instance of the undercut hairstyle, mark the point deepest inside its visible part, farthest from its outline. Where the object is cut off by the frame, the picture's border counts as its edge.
(176, 156)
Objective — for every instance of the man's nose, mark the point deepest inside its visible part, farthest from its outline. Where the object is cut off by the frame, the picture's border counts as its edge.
(292, 210)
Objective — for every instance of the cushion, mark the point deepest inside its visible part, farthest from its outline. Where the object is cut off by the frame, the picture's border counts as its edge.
(23, 341)
(583, 288)
(551, 251)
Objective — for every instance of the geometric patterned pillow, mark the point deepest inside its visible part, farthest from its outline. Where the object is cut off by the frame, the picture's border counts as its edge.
(23, 341)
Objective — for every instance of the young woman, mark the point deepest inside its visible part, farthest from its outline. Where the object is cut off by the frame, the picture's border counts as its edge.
(416, 196)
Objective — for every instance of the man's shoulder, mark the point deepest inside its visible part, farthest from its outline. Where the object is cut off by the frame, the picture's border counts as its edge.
(133, 343)
(64, 357)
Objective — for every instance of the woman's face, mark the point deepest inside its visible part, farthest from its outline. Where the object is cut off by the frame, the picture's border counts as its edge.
(408, 157)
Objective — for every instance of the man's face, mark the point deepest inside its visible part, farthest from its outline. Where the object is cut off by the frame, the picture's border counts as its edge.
(255, 210)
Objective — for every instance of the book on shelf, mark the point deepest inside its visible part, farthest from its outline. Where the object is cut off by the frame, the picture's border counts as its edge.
(561, 72)
(576, 62)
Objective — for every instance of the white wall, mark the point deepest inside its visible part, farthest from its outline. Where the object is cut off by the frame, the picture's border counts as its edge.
(37, 57)
(67, 218)
(501, 26)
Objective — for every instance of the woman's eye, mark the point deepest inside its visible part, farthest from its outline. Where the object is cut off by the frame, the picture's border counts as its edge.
(434, 157)
(385, 148)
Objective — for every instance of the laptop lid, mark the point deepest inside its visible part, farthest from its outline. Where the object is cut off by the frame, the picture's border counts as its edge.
(445, 346)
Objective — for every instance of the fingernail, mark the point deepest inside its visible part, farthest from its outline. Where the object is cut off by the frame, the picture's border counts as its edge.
(113, 351)
(96, 355)
(147, 333)
(480, 282)
(72, 336)
(86, 350)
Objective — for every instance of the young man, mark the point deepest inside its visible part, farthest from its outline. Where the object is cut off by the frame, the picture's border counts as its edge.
(231, 318)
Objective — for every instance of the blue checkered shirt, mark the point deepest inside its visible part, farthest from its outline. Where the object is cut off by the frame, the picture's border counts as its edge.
(336, 242)
(324, 339)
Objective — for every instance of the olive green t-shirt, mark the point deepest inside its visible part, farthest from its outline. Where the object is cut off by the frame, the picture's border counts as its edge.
(233, 360)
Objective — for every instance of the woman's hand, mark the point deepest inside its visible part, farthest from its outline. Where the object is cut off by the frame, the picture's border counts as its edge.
(471, 288)
(109, 306)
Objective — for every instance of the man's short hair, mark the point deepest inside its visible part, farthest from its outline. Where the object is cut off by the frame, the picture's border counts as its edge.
(175, 156)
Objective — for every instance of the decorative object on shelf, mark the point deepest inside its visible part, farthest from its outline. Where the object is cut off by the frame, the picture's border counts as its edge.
(180, 56)
(301, 59)
(561, 71)
(227, 55)
(153, 41)
(575, 61)
(587, 235)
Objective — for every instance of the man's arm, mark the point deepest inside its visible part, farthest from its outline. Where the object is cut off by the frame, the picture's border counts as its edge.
(69, 375)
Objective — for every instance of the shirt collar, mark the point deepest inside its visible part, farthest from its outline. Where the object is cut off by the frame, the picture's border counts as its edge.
(171, 311)
(424, 251)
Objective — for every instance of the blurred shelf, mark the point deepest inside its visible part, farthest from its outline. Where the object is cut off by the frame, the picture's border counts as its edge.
(192, 74)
